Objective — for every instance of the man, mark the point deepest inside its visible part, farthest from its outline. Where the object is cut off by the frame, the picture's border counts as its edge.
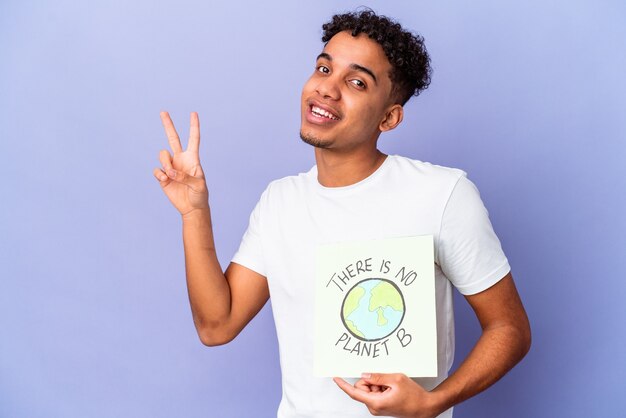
(368, 69)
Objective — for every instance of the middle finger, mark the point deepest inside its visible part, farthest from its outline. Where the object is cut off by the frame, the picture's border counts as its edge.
(170, 131)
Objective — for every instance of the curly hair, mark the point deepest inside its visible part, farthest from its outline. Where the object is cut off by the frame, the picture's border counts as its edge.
(406, 52)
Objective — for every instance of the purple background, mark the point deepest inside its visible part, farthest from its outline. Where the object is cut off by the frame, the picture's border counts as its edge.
(527, 97)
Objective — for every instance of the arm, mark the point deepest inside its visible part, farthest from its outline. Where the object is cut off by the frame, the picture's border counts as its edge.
(222, 304)
(504, 341)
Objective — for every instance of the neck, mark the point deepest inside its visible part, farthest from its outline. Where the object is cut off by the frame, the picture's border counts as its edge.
(338, 170)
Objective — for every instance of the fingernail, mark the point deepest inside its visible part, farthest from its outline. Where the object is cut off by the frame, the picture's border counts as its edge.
(163, 177)
(171, 173)
(366, 375)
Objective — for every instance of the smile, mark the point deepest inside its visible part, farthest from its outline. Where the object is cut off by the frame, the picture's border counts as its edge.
(318, 111)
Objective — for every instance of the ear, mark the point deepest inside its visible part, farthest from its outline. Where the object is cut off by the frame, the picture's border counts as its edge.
(393, 117)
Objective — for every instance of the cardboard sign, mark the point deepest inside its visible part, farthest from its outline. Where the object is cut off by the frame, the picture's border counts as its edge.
(375, 308)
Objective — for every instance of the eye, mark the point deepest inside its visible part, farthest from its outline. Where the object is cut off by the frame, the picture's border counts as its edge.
(358, 83)
(323, 69)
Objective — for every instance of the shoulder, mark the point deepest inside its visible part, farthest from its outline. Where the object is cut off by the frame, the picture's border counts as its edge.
(425, 174)
(279, 190)
(425, 168)
(290, 183)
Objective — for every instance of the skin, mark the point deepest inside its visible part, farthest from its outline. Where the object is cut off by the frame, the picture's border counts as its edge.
(222, 303)
(350, 80)
(348, 151)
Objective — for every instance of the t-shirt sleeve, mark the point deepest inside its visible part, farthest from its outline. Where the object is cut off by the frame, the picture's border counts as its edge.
(469, 252)
(250, 253)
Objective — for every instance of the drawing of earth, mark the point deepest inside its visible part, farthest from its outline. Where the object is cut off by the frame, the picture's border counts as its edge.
(373, 309)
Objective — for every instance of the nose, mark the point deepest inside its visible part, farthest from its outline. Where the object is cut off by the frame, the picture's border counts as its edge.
(328, 88)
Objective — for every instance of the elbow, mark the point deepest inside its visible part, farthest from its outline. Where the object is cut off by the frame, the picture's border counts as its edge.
(526, 340)
(214, 335)
(515, 339)
(522, 339)
(212, 341)
(521, 335)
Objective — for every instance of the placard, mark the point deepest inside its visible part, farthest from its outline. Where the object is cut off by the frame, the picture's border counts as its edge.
(375, 308)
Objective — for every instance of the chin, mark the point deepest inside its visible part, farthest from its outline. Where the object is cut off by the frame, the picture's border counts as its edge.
(313, 140)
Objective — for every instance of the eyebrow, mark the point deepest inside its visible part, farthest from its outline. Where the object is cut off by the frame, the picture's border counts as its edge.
(356, 67)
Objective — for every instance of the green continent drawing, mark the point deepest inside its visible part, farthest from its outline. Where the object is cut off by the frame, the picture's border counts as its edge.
(386, 294)
(352, 301)
(353, 329)
(373, 309)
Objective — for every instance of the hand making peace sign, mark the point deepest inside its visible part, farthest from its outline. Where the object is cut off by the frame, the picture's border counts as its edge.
(181, 177)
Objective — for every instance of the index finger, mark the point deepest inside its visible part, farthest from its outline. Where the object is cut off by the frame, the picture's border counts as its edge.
(356, 394)
(194, 133)
(170, 131)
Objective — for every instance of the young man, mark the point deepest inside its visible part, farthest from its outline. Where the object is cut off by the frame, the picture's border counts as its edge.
(368, 69)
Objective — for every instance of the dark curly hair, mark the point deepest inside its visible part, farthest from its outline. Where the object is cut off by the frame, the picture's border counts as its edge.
(406, 52)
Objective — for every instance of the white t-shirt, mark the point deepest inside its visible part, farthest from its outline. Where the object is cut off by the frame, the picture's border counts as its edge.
(403, 197)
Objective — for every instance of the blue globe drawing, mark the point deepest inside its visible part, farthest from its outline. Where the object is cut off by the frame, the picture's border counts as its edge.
(373, 309)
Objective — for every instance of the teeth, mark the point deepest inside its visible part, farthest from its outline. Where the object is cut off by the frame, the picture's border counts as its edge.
(321, 112)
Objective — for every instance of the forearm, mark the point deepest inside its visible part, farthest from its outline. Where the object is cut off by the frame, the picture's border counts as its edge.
(498, 349)
(209, 292)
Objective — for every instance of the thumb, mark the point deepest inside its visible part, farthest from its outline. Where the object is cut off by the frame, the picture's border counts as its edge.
(184, 178)
(380, 379)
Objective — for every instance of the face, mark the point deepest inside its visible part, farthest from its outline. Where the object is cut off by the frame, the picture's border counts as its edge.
(346, 103)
